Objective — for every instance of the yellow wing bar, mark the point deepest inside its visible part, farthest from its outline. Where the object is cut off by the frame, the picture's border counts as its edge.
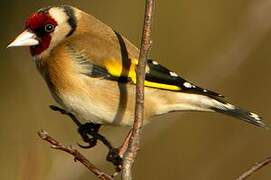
(115, 69)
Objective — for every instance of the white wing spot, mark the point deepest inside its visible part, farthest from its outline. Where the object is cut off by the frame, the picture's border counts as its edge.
(147, 69)
(155, 63)
(173, 74)
(187, 85)
(204, 90)
(254, 116)
(229, 106)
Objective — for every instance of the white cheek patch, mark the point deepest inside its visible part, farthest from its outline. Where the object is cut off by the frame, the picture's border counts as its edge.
(62, 28)
(58, 14)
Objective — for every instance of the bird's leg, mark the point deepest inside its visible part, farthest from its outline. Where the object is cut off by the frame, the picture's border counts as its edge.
(114, 155)
(62, 111)
(85, 130)
(90, 129)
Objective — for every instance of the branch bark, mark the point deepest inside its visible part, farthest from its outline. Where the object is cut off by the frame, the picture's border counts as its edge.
(255, 168)
(134, 142)
(76, 154)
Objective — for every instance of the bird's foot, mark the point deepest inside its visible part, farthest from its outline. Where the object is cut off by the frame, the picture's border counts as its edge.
(89, 134)
(91, 129)
(85, 130)
(114, 157)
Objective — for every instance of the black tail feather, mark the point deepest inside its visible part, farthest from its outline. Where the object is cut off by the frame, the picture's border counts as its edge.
(239, 113)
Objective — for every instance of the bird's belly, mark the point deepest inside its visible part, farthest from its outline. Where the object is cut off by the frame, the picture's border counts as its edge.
(100, 101)
(84, 108)
(88, 108)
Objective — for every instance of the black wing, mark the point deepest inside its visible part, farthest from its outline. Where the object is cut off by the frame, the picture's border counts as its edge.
(157, 73)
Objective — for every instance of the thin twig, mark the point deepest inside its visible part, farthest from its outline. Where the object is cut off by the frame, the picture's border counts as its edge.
(76, 154)
(134, 141)
(123, 148)
(255, 168)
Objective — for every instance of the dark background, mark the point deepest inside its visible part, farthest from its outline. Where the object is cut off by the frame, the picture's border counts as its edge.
(223, 45)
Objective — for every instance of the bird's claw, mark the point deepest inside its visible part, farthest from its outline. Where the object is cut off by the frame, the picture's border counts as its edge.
(114, 157)
(90, 141)
(90, 135)
(85, 146)
(86, 130)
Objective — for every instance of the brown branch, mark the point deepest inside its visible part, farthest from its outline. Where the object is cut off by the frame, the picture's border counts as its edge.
(255, 168)
(76, 154)
(123, 148)
(134, 141)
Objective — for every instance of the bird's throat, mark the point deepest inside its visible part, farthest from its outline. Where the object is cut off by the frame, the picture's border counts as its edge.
(42, 47)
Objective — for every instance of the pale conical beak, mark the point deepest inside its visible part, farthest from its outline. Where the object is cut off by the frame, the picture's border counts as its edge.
(26, 38)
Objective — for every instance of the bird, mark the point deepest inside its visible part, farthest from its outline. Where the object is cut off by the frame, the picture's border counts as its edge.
(90, 70)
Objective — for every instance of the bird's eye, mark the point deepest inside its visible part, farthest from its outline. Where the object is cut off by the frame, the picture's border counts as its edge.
(49, 28)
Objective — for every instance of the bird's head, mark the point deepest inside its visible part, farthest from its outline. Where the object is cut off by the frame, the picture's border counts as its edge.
(46, 28)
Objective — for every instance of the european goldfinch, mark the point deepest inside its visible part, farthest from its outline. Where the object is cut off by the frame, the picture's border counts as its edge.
(90, 71)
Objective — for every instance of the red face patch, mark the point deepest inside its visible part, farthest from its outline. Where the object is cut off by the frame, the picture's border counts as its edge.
(37, 24)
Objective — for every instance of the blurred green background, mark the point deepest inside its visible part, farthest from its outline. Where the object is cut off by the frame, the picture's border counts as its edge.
(223, 45)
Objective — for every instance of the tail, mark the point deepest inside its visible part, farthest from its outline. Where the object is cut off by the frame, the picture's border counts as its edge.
(240, 113)
(185, 101)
